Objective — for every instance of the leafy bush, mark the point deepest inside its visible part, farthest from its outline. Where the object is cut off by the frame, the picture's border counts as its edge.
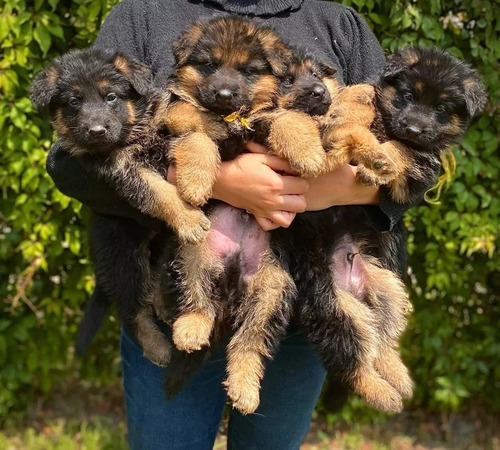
(452, 345)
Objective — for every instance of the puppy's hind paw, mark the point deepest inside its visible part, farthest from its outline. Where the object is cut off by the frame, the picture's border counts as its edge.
(244, 396)
(191, 332)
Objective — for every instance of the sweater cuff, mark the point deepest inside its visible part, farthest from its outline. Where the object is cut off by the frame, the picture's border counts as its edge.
(385, 215)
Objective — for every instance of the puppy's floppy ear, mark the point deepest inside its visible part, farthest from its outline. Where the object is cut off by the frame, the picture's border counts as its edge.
(475, 94)
(184, 46)
(328, 71)
(139, 75)
(277, 53)
(43, 88)
(395, 65)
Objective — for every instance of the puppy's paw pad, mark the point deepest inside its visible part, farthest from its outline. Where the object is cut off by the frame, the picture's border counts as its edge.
(191, 332)
(370, 177)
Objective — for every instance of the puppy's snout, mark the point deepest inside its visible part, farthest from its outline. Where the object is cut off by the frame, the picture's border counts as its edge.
(318, 91)
(97, 131)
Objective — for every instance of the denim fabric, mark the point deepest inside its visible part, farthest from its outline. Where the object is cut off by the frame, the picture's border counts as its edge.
(290, 389)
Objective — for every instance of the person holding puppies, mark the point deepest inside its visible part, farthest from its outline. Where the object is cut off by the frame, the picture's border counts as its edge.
(260, 183)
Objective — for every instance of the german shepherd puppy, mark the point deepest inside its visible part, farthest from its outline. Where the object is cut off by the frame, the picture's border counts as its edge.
(103, 109)
(422, 104)
(225, 91)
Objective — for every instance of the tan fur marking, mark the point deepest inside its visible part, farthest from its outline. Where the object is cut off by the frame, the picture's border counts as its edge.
(103, 84)
(411, 58)
(294, 136)
(248, 346)
(197, 161)
(190, 223)
(454, 127)
(419, 86)
(131, 114)
(52, 75)
(391, 368)
(189, 78)
(121, 65)
(191, 331)
(263, 91)
(59, 125)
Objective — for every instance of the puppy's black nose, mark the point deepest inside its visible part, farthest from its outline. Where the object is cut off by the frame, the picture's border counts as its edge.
(97, 131)
(224, 95)
(414, 130)
(318, 91)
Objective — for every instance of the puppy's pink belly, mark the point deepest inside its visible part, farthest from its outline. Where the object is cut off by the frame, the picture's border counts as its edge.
(349, 275)
(234, 232)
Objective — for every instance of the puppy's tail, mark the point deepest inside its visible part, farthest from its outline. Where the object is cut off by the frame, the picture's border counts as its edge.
(335, 394)
(182, 368)
(95, 311)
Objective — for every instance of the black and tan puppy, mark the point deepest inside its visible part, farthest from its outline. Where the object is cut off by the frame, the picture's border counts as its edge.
(396, 130)
(225, 89)
(103, 110)
(421, 105)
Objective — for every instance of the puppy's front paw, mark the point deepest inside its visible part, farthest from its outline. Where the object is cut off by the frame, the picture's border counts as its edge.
(379, 174)
(191, 332)
(194, 192)
(243, 393)
(311, 163)
(195, 230)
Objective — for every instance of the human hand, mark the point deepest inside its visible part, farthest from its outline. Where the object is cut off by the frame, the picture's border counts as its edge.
(339, 187)
(262, 184)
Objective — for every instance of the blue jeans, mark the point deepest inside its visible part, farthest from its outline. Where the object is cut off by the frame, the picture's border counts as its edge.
(290, 389)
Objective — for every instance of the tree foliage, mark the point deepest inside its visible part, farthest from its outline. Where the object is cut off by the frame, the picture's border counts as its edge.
(452, 344)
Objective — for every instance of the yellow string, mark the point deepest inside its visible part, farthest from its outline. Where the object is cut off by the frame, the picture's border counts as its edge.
(449, 166)
(237, 116)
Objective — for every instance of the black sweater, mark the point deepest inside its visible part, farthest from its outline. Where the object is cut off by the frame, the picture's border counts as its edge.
(146, 29)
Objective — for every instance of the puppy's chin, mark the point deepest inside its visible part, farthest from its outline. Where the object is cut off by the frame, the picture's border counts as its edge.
(318, 109)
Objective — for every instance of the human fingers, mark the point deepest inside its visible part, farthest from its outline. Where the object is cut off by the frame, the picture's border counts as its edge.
(266, 224)
(282, 218)
(254, 147)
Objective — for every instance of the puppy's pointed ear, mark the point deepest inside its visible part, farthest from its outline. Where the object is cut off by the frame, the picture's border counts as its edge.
(278, 54)
(184, 46)
(475, 94)
(139, 75)
(43, 88)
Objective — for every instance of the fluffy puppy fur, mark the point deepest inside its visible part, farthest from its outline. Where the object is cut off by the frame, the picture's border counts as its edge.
(225, 88)
(397, 129)
(103, 111)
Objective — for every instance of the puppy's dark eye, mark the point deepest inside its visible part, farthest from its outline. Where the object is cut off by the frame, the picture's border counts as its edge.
(408, 96)
(288, 82)
(315, 75)
(441, 108)
(73, 101)
(209, 65)
(111, 97)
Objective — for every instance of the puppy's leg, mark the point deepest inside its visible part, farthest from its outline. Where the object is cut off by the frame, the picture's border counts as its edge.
(197, 160)
(264, 314)
(353, 142)
(294, 136)
(391, 368)
(199, 268)
(120, 252)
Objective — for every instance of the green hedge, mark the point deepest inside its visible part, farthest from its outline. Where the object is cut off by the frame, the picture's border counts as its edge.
(452, 345)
